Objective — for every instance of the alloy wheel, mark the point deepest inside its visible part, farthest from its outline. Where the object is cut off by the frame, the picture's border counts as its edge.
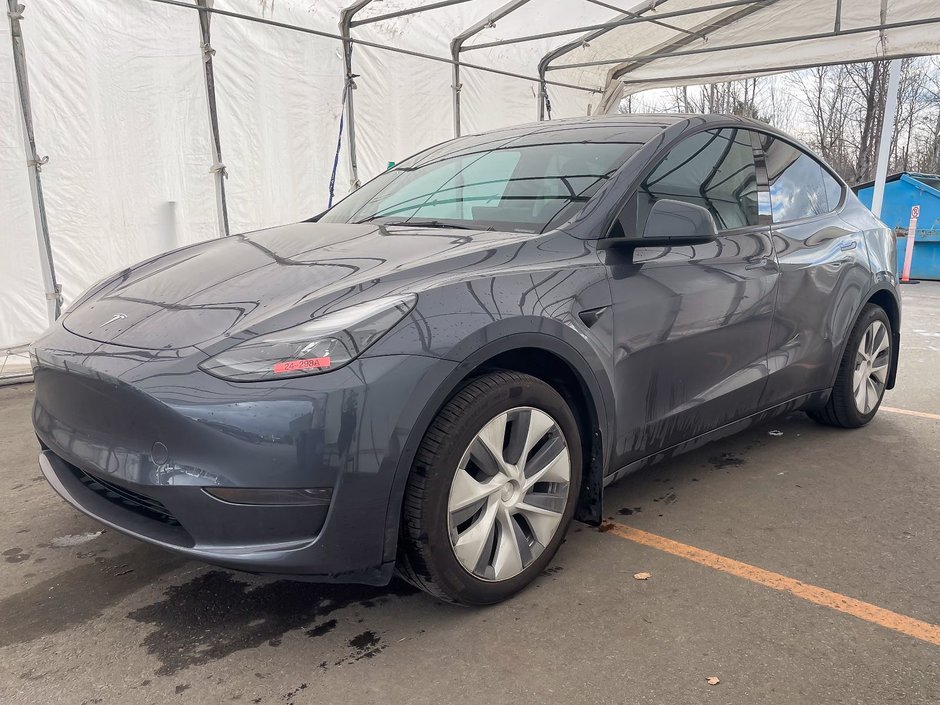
(509, 493)
(871, 367)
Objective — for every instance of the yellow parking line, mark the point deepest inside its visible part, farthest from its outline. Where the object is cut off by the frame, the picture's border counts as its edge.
(908, 412)
(817, 595)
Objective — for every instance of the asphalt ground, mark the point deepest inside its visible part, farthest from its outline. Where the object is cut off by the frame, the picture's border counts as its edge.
(794, 563)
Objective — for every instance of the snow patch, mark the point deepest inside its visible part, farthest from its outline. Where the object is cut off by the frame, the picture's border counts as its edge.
(75, 539)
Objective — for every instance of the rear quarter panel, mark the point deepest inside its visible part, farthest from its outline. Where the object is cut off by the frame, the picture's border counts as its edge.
(879, 239)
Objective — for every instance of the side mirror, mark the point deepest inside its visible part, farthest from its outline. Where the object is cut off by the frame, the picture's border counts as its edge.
(670, 222)
(679, 221)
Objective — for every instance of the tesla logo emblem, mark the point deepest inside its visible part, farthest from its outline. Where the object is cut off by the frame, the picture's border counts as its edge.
(115, 317)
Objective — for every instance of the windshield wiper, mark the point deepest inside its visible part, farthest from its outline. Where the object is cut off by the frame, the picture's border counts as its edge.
(432, 224)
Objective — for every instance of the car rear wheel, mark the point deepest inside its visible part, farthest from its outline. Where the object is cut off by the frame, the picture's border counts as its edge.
(863, 372)
(492, 491)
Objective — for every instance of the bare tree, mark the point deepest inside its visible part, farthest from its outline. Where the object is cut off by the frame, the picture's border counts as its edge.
(823, 94)
(870, 82)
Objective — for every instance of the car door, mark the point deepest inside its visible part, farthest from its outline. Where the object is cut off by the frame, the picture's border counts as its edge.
(824, 272)
(692, 322)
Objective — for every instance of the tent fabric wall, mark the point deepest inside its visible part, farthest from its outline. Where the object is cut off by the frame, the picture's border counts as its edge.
(119, 107)
(279, 105)
(119, 103)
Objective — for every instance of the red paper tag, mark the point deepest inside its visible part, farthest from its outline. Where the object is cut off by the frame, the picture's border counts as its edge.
(311, 363)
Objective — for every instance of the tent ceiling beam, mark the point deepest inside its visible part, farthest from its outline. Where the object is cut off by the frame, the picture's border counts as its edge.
(375, 45)
(618, 23)
(691, 79)
(409, 11)
(652, 6)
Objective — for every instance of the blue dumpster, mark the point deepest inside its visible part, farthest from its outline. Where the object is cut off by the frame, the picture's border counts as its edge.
(902, 192)
(926, 263)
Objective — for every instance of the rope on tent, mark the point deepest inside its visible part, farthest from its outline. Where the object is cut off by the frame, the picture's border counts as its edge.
(348, 86)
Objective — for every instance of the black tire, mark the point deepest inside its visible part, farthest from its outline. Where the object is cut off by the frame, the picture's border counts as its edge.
(426, 557)
(841, 410)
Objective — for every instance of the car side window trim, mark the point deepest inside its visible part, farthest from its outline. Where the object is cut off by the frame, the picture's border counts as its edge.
(764, 206)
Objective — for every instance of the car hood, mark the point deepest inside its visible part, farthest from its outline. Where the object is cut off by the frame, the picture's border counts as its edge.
(268, 280)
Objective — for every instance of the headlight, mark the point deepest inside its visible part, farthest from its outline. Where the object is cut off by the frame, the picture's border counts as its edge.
(312, 348)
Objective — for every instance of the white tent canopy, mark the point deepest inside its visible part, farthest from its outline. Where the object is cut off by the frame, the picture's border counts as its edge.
(736, 40)
(120, 94)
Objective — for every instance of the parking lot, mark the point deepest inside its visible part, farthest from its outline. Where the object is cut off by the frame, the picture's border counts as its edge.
(793, 563)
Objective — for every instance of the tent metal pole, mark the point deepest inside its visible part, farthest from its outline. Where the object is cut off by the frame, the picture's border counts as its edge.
(53, 290)
(218, 168)
(345, 27)
(409, 11)
(456, 85)
(456, 46)
(545, 103)
(887, 133)
(543, 94)
(618, 23)
(635, 86)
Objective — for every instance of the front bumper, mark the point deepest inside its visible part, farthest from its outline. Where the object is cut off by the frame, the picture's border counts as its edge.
(132, 437)
(169, 516)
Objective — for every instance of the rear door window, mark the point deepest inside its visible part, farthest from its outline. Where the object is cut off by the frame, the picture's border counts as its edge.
(800, 187)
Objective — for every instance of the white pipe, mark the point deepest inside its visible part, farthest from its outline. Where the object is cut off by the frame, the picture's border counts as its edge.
(887, 132)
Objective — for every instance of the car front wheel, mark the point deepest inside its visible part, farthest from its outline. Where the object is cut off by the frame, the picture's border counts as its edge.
(492, 491)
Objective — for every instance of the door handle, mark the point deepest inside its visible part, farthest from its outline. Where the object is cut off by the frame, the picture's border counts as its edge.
(850, 245)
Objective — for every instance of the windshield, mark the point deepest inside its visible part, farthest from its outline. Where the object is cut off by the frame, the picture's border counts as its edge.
(527, 183)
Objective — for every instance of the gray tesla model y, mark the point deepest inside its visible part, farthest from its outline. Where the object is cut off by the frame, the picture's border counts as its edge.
(436, 375)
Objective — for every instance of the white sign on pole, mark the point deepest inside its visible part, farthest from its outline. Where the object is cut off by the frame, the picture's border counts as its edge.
(909, 244)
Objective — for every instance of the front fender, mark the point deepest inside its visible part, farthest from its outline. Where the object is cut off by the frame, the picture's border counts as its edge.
(471, 354)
